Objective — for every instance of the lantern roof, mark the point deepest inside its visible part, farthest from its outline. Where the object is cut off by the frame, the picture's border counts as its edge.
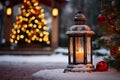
(80, 28)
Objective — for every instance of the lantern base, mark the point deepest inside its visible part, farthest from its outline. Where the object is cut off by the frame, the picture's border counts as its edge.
(79, 68)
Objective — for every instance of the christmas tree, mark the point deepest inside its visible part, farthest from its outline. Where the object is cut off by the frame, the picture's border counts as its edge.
(109, 21)
(30, 25)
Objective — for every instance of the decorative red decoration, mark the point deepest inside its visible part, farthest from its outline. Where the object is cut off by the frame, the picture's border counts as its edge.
(112, 52)
(101, 19)
(102, 66)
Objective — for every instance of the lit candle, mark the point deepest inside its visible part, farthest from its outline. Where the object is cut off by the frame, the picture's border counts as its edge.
(79, 56)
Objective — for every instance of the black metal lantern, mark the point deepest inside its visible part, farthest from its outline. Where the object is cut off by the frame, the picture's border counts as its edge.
(79, 49)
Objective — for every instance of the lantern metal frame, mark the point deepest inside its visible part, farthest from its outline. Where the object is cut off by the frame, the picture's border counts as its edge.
(80, 39)
(86, 43)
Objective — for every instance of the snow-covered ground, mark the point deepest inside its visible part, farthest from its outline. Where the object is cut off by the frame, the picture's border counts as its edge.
(57, 74)
(58, 56)
(34, 58)
(44, 59)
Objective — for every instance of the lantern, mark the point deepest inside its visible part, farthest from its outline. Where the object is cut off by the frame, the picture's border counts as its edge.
(79, 49)
(55, 11)
(9, 11)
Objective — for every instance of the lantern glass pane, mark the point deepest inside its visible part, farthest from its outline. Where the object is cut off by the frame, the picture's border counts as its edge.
(79, 49)
(88, 44)
(71, 50)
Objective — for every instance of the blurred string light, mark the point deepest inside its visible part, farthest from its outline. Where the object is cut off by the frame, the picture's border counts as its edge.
(30, 25)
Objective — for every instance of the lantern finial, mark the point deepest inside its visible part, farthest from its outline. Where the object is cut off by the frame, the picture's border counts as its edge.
(80, 18)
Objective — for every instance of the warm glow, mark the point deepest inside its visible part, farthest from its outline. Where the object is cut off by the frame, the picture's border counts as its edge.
(42, 10)
(40, 40)
(48, 42)
(28, 2)
(55, 11)
(22, 36)
(24, 11)
(29, 34)
(79, 56)
(29, 41)
(20, 17)
(25, 0)
(30, 25)
(27, 14)
(33, 18)
(45, 38)
(25, 26)
(15, 26)
(16, 41)
(33, 38)
(37, 7)
(118, 48)
(45, 28)
(9, 11)
(41, 34)
(14, 32)
(18, 38)
(18, 31)
(44, 21)
(36, 21)
(27, 31)
(23, 29)
(41, 16)
(39, 26)
(13, 36)
(11, 40)
(37, 30)
(35, 4)
(34, 25)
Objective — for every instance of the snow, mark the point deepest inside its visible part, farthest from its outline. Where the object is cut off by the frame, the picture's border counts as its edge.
(103, 51)
(55, 58)
(57, 74)
(34, 58)
(45, 58)
(59, 55)
(61, 50)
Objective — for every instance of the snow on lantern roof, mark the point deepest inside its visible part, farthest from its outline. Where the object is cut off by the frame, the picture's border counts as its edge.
(80, 28)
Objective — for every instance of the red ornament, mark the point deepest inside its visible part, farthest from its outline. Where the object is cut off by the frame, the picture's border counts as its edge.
(101, 19)
(102, 66)
(112, 52)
